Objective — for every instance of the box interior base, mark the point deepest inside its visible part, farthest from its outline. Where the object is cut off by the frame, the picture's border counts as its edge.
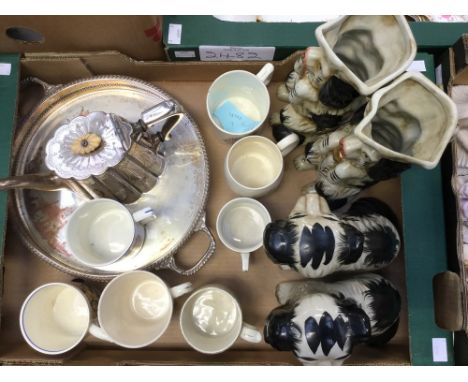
(254, 289)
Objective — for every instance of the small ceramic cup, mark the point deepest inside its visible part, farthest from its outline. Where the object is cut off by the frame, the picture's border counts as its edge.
(102, 231)
(238, 102)
(133, 311)
(211, 321)
(254, 165)
(240, 225)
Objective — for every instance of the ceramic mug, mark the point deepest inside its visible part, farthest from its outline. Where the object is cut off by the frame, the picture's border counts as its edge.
(254, 165)
(102, 231)
(240, 225)
(238, 102)
(55, 318)
(134, 310)
(211, 321)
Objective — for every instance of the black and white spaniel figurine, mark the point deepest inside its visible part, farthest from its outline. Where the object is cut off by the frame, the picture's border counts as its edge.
(321, 322)
(317, 243)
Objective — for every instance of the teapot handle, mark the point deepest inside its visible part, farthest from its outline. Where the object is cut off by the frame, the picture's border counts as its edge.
(171, 264)
(161, 119)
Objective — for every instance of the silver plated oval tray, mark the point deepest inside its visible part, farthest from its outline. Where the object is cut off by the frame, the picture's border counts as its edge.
(178, 199)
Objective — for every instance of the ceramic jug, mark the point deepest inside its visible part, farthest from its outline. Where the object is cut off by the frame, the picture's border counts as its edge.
(317, 243)
(321, 322)
(357, 55)
(410, 121)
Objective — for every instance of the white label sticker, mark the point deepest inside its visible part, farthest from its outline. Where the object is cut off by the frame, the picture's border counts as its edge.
(184, 53)
(236, 53)
(174, 35)
(5, 69)
(438, 75)
(417, 66)
(439, 350)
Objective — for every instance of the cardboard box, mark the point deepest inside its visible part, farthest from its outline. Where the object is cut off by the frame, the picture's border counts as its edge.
(187, 82)
(188, 38)
(139, 37)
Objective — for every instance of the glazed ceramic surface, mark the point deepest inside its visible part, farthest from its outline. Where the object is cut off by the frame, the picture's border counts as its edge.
(102, 231)
(254, 165)
(357, 55)
(367, 51)
(321, 322)
(55, 318)
(211, 321)
(318, 243)
(178, 199)
(238, 102)
(409, 121)
(240, 225)
(135, 309)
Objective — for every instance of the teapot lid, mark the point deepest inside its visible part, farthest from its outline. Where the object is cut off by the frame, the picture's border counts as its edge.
(88, 145)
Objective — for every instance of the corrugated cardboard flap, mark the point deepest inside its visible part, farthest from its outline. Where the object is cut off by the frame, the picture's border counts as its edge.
(57, 68)
(447, 288)
(461, 61)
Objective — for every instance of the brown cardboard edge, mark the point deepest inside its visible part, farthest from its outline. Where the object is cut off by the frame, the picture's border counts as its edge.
(460, 61)
(113, 62)
(105, 356)
(447, 289)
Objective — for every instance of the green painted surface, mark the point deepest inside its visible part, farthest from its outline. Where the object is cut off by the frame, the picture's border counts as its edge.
(425, 252)
(286, 37)
(8, 99)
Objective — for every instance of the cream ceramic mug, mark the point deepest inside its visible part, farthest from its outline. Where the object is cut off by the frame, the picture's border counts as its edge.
(55, 318)
(133, 311)
(240, 225)
(211, 321)
(254, 165)
(238, 102)
(102, 231)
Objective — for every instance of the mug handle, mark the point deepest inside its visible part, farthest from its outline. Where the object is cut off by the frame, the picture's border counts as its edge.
(98, 332)
(250, 333)
(181, 289)
(143, 214)
(288, 143)
(245, 256)
(266, 73)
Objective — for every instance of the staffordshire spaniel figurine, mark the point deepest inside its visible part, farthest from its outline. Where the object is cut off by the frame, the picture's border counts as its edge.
(321, 322)
(318, 243)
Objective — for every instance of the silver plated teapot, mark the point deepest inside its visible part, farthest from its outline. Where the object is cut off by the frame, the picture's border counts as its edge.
(102, 155)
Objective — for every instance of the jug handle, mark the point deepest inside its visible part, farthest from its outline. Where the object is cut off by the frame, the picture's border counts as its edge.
(171, 264)
(168, 113)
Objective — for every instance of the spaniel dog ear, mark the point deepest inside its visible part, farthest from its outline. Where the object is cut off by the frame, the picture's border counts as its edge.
(280, 331)
(279, 238)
